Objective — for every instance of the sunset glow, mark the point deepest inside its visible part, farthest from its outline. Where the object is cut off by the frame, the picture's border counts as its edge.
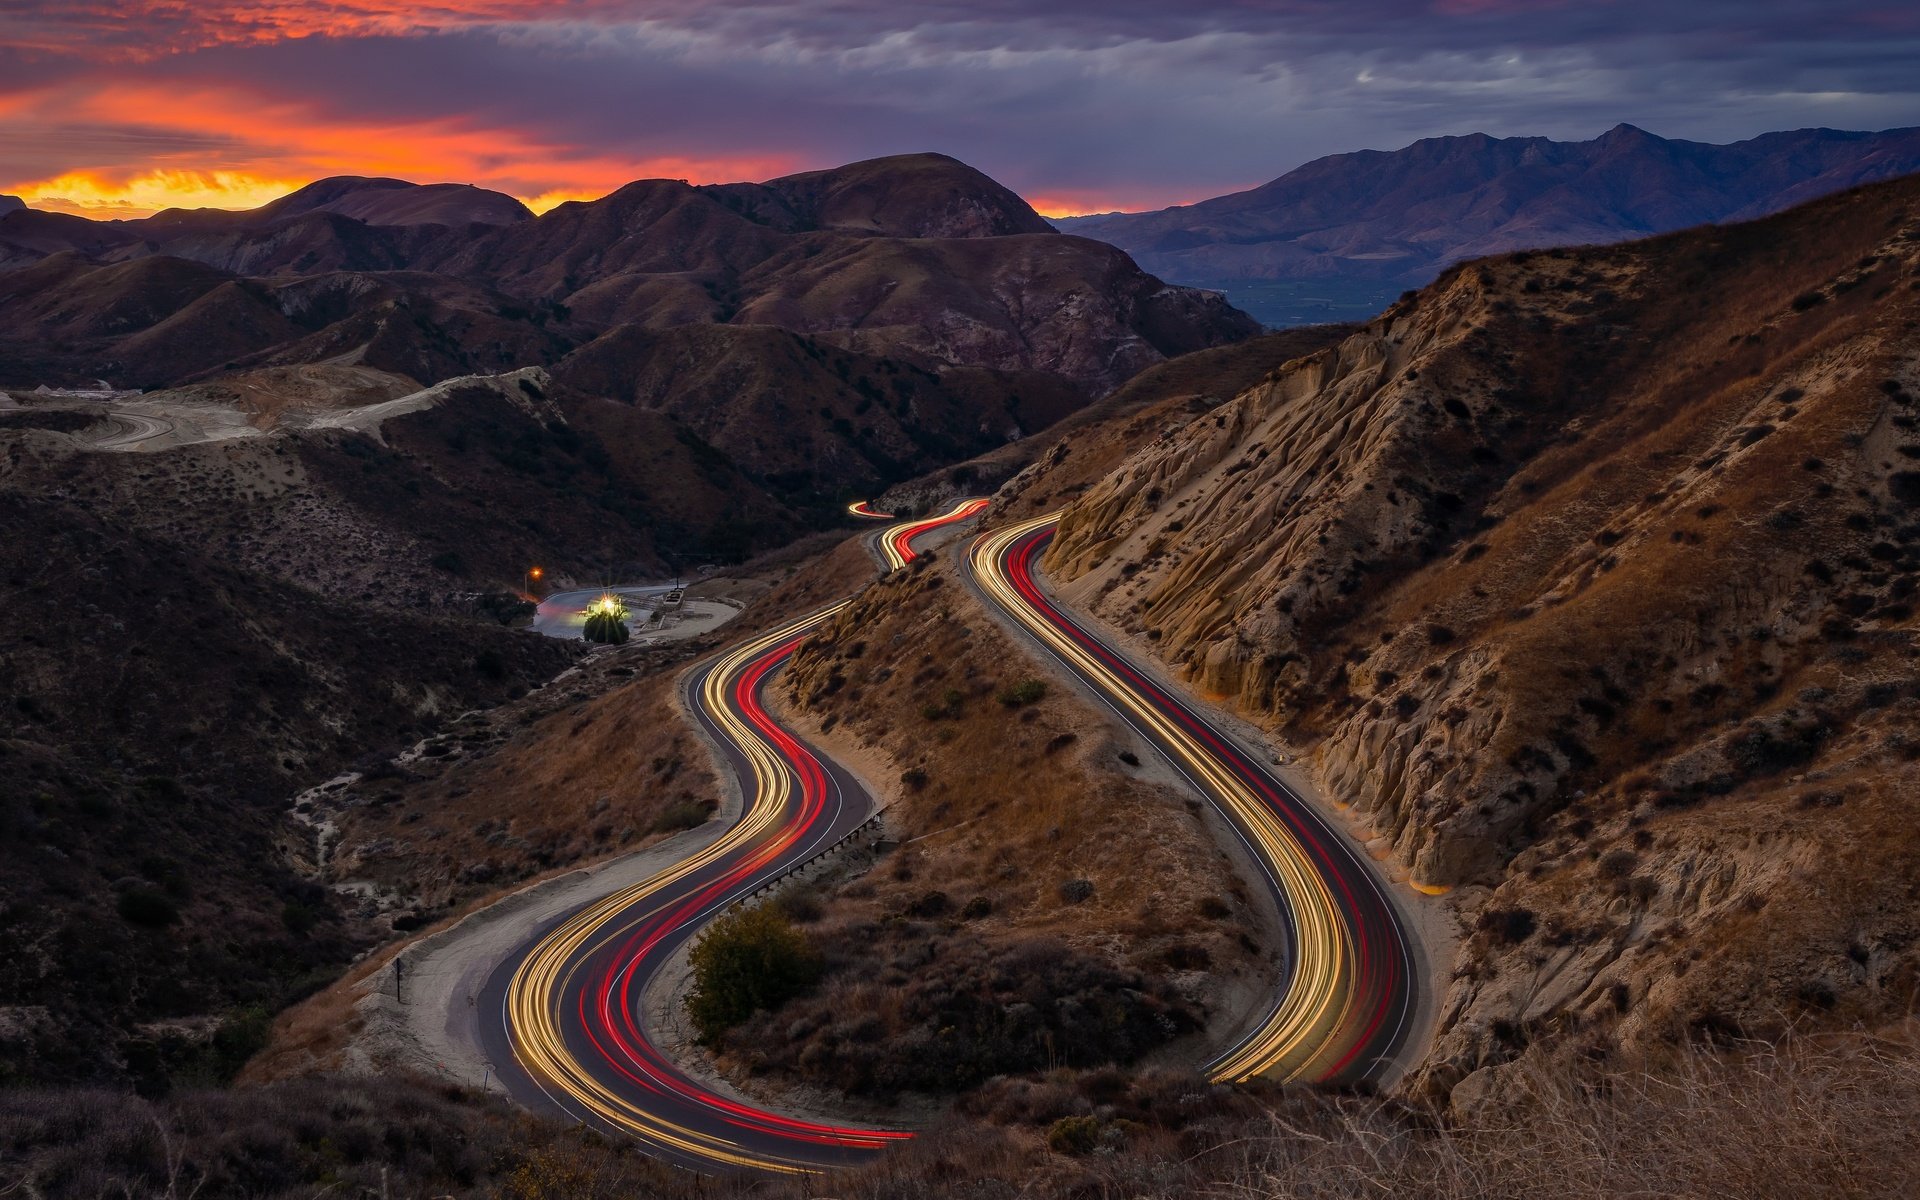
(271, 146)
(126, 108)
(103, 199)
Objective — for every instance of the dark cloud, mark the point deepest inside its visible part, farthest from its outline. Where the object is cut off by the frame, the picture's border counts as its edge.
(1140, 101)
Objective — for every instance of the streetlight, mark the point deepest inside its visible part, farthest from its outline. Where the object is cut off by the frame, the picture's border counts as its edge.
(533, 573)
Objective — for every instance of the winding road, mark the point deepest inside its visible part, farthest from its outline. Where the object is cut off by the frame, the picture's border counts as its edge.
(571, 1036)
(895, 545)
(569, 1033)
(1348, 1005)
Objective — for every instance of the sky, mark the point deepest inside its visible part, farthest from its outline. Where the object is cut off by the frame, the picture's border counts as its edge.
(123, 107)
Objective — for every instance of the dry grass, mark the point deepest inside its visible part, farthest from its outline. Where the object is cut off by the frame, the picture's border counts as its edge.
(1047, 904)
(1812, 1119)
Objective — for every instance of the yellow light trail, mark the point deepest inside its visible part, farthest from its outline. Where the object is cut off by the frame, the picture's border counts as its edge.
(1322, 1019)
(896, 543)
(547, 975)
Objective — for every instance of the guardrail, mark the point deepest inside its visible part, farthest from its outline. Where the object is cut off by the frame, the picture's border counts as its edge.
(866, 834)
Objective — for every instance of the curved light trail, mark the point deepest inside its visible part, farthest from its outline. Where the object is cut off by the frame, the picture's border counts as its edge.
(572, 1038)
(864, 508)
(1346, 1005)
(896, 543)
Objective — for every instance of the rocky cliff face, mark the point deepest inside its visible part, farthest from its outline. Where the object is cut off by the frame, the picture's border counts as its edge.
(1589, 576)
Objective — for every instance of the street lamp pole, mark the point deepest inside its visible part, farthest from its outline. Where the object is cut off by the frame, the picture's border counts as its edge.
(533, 573)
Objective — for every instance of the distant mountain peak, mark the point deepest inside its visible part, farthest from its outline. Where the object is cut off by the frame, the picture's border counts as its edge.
(1364, 226)
(11, 203)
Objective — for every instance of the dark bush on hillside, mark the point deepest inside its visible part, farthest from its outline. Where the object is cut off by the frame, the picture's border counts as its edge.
(750, 959)
(682, 814)
(962, 1014)
(148, 909)
(1076, 891)
(1508, 925)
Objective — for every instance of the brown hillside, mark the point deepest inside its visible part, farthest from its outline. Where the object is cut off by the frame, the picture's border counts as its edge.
(1589, 575)
(160, 705)
(917, 256)
(812, 418)
(1051, 902)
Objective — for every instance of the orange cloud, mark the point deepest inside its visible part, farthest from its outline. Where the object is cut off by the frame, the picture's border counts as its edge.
(269, 146)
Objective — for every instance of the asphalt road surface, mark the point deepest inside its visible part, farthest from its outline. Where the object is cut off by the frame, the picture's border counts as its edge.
(1347, 1008)
(563, 1016)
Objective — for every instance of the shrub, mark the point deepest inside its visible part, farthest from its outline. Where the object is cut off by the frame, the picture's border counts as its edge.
(683, 814)
(1618, 864)
(949, 705)
(1025, 692)
(932, 904)
(750, 959)
(914, 778)
(1074, 1135)
(606, 628)
(241, 1036)
(802, 905)
(298, 918)
(1076, 891)
(146, 908)
(1509, 925)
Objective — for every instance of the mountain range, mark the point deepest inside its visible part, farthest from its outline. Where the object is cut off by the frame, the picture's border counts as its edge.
(1338, 237)
(917, 256)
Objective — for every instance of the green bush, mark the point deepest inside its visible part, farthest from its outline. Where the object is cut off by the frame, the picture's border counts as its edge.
(1074, 1135)
(606, 628)
(1025, 692)
(298, 918)
(750, 959)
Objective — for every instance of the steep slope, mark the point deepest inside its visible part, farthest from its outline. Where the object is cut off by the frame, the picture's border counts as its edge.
(815, 421)
(1400, 217)
(161, 704)
(1589, 576)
